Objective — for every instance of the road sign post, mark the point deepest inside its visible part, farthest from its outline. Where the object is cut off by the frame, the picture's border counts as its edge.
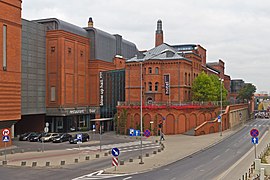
(254, 133)
(115, 153)
(5, 134)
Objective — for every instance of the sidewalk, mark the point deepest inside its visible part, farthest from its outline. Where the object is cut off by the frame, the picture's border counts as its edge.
(176, 147)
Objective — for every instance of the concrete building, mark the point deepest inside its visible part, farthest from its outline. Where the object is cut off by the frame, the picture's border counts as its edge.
(33, 92)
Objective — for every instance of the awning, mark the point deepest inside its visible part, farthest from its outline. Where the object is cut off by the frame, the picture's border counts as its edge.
(102, 119)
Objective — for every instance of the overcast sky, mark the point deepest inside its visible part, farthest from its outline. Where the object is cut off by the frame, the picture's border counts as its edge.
(236, 31)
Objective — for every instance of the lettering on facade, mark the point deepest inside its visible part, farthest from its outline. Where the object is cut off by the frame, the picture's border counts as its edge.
(80, 111)
(167, 84)
(101, 88)
(92, 111)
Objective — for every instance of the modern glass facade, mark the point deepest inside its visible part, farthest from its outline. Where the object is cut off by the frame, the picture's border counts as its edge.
(113, 91)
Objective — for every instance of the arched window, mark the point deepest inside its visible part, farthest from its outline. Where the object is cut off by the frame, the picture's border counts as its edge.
(156, 86)
(150, 70)
(150, 86)
(156, 70)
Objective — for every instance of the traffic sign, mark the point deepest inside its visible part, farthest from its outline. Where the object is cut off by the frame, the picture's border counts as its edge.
(79, 138)
(137, 132)
(47, 124)
(147, 133)
(131, 132)
(115, 152)
(254, 132)
(255, 140)
(46, 129)
(5, 138)
(115, 161)
(5, 132)
(219, 118)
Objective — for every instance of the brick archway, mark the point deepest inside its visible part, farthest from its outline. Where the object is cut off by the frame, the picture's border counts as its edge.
(201, 119)
(192, 122)
(137, 121)
(170, 124)
(181, 125)
(146, 121)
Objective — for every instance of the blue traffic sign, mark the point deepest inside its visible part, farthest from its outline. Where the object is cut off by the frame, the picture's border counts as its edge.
(254, 132)
(5, 138)
(115, 152)
(147, 133)
(255, 140)
(79, 137)
(137, 132)
(131, 132)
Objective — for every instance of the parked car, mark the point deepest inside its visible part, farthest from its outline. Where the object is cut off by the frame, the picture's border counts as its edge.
(48, 137)
(26, 136)
(74, 140)
(62, 138)
(37, 137)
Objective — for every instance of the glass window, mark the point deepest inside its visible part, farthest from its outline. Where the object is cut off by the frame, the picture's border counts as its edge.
(4, 47)
(150, 86)
(156, 86)
(150, 70)
(157, 70)
(52, 93)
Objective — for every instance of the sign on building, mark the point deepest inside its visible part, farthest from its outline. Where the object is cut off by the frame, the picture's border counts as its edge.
(167, 84)
(101, 89)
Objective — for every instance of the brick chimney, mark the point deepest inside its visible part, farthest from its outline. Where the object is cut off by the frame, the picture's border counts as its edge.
(159, 33)
(90, 22)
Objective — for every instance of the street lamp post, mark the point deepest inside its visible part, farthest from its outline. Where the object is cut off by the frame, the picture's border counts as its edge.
(141, 162)
(221, 80)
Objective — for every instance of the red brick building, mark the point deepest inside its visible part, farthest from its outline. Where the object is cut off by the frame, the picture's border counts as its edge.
(10, 64)
(166, 74)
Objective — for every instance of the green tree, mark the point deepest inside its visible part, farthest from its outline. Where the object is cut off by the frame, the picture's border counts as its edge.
(207, 88)
(217, 92)
(246, 92)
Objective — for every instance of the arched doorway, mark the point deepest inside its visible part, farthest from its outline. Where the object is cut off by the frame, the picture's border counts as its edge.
(170, 124)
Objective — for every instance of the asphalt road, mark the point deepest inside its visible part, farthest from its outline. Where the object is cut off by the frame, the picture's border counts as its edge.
(210, 163)
(69, 172)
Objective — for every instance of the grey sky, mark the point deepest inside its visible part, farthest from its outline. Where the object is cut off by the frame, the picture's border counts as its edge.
(236, 31)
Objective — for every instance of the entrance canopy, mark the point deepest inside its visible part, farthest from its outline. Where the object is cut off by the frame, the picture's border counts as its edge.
(102, 119)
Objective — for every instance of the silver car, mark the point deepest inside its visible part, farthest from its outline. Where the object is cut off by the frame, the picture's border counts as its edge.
(48, 137)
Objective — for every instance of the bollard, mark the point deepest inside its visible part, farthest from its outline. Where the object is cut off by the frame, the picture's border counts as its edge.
(154, 152)
(22, 150)
(249, 172)
(4, 162)
(246, 177)
(87, 158)
(34, 164)
(243, 177)
(110, 152)
(12, 152)
(140, 157)
(62, 163)
(159, 150)
(23, 163)
(76, 160)
(121, 162)
(147, 155)
(105, 154)
(156, 141)
(47, 164)
(130, 160)
(97, 155)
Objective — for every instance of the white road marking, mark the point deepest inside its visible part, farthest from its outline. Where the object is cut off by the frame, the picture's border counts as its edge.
(127, 178)
(98, 175)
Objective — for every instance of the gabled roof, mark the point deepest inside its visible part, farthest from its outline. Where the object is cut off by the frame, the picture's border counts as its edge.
(161, 52)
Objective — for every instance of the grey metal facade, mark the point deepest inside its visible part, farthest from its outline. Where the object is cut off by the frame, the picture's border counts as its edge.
(33, 68)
